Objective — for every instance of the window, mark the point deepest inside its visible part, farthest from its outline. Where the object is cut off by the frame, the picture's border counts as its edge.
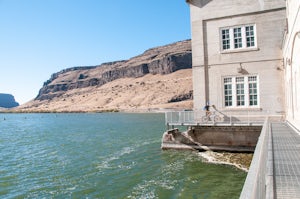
(228, 91)
(250, 39)
(237, 35)
(252, 81)
(225, 39)
(241, 91)
(241, 37)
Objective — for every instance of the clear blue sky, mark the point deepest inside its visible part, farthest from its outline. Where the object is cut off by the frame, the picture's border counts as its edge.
(41, 37)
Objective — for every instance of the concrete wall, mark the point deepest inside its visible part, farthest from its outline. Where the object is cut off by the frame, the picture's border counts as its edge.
(210, 64)
(237, 138)
(211, 9)
(291, 52)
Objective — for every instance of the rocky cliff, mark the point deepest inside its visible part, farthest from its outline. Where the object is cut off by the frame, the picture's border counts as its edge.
(7, 101)
(161, 77)
(160, 60)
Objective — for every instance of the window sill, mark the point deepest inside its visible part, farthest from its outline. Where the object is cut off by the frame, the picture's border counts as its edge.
(239, 50)
(243, 108)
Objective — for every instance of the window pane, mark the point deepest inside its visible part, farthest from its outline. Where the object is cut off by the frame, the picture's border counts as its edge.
(237, 35)
(240, 91)
(228, 101)
(252, 92)
(228, 91)
(252, 78)
(240, 100)
(250, 36)
(228, 80)
(240, 79)
(225, 39)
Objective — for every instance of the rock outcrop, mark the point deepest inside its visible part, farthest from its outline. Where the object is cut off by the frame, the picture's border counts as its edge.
(158, 79)
(161, 60)
(7, 101)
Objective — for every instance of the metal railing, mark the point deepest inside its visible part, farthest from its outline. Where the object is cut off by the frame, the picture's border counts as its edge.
(187, 118)
(256, 181)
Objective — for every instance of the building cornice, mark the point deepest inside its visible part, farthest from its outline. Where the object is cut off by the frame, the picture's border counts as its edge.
(245, 14)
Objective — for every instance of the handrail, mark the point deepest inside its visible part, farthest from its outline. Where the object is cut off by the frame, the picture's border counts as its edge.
(256, 181)
(188, 118)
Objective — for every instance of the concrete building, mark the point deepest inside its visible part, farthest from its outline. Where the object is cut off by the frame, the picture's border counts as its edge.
(291, 54)
(246, 58)
(238, 61)
(246, 63)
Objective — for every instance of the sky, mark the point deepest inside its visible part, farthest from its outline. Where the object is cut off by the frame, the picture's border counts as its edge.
(41, 37)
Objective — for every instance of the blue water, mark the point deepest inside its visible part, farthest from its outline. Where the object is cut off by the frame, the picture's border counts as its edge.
(109, 155)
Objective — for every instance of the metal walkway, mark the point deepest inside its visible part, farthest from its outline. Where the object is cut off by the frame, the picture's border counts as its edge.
(286, 161)
(275, 168)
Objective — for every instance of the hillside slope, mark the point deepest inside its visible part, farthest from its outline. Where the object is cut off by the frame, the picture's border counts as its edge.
(147, 93)
(159, 78)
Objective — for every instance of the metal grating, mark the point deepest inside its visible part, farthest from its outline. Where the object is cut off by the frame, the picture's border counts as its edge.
(286, 147)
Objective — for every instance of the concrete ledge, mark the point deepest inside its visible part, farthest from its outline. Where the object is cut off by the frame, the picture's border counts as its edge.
(170, 146)
(214, 138)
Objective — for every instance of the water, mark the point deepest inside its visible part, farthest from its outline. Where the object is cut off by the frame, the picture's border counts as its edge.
(111, 155)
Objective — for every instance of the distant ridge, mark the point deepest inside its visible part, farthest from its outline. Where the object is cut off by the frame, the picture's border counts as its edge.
(159, 78)
(7, 101)
(160, 60)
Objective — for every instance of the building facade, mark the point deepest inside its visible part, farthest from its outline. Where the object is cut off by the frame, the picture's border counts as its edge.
(291, 53)
(238, 58)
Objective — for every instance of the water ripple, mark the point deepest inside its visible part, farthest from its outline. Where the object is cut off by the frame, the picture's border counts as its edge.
(98, 156)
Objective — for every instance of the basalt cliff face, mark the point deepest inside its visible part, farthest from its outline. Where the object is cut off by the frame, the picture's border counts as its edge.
(127, 84)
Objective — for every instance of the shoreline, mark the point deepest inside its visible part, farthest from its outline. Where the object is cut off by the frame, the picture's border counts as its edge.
(149, 110)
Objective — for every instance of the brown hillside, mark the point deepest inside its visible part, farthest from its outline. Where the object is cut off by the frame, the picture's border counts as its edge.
(159, 78)
(147, 93)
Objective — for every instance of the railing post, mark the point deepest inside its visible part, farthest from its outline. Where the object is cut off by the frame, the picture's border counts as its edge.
(166, 118)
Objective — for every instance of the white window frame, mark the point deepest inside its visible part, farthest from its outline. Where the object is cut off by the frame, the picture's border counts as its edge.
(240, 91)
(241, 37)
